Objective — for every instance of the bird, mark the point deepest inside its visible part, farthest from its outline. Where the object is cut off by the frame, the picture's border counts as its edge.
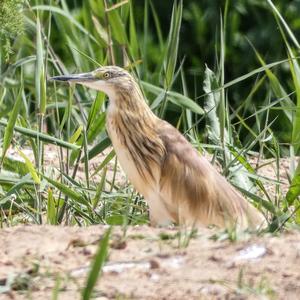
(179, 185)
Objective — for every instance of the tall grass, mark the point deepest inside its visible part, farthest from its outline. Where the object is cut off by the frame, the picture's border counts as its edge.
(59, 40)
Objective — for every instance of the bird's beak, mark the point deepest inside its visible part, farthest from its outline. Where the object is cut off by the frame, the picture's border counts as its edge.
(76, 78)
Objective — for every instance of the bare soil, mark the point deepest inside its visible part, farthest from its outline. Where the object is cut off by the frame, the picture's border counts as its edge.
(151, 263)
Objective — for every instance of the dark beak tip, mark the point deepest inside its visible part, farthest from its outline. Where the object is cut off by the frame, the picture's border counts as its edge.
(76, 78)
(58, 78)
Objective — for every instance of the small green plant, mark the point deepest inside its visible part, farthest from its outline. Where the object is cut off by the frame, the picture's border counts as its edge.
(262, 287)
(182, 236)
(11, 20)
(244, 287)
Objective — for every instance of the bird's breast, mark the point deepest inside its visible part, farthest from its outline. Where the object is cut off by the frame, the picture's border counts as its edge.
(144, 186)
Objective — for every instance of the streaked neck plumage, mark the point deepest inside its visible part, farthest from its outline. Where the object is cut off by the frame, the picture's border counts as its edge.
(135, 125)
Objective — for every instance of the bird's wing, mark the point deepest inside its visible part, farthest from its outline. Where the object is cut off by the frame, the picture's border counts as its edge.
(192, 188)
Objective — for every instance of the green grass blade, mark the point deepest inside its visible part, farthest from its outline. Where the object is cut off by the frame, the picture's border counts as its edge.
(98, 148)
(175, 98)
(76, 135)
(95, 109)
(31, 168)
(107, 159)
(67, 191)
(40, 82)
(294, 188)
(117, 27)
(276, 86)
(97, 265)
(295, 70)
(57, 10)
(99, 189)
(172, 46)
(157, 26)
(43, 137)
(268, 205)
(286, 26)
(96, 127)
(235, 81)
(133, 39)
(11, 124)
(13, 164)
(51, 210)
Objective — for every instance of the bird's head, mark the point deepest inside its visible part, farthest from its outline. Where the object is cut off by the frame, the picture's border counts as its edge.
(107, 79)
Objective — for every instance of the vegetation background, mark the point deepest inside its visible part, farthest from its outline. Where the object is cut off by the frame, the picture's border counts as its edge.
(226, 73)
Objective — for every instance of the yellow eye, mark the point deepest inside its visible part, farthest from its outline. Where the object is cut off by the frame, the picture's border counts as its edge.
(106, 75)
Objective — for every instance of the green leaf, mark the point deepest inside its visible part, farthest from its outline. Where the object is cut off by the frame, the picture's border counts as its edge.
(157, 26)
(76, 135)
(100, 30)
(244, 162)
(18, 184)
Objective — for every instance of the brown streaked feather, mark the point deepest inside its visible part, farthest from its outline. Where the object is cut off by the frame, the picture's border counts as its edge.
(201, 194)
(137, 133)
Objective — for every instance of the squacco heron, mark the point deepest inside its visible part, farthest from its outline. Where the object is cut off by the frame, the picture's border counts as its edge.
(179, 185)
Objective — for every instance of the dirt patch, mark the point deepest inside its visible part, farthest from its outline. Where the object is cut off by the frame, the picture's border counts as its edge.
(148, 263)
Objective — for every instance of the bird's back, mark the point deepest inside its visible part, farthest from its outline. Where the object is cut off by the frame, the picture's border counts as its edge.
(196, 191)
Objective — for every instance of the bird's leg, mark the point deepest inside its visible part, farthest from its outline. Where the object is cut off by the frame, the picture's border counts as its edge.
(158, 214)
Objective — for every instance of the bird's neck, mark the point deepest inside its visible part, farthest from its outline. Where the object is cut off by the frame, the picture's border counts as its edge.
(132, 126)
(130, 106)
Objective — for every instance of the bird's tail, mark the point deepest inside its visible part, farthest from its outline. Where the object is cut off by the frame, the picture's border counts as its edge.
(234, 209)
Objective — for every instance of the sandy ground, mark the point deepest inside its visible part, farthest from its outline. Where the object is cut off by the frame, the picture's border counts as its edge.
(150, 263)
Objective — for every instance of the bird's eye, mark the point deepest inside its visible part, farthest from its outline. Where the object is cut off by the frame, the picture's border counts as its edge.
(106, 75)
